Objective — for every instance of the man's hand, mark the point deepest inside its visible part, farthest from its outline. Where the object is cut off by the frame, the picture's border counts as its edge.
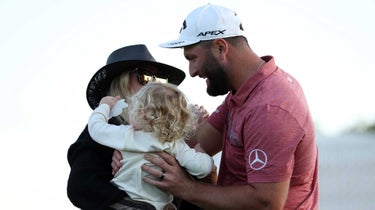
(172, 178)
(116, 164)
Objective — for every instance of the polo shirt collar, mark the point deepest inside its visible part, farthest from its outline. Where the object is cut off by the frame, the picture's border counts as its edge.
(247, 88)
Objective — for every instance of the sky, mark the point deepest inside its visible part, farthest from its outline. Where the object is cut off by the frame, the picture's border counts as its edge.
(49, 50)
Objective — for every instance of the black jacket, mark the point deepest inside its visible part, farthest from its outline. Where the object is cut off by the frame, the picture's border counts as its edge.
(89, 184)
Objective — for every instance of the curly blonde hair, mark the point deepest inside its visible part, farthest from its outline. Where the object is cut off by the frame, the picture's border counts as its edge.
(162, 109)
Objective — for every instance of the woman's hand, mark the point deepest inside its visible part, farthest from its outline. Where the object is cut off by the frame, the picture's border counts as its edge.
(212, 177)
(116, 161)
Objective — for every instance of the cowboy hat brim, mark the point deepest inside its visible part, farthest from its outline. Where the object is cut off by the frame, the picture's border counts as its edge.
(100, 82)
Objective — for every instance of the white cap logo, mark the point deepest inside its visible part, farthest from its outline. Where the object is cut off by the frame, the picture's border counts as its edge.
(257, 159)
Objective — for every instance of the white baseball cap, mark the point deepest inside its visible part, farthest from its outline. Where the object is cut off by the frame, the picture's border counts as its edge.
(207, 23)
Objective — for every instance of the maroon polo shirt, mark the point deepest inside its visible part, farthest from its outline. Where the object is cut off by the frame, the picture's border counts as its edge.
(268, 136)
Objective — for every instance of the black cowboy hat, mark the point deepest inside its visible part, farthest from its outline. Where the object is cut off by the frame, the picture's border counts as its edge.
(122, 60)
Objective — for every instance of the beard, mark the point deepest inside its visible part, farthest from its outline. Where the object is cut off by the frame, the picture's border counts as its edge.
(217, 78)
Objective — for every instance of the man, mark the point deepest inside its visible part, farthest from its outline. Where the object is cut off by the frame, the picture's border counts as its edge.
(263, 128)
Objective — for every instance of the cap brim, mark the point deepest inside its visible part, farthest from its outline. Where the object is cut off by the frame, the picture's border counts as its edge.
(178, 43)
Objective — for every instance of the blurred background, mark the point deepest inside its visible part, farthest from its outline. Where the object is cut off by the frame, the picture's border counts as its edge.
(50, 49)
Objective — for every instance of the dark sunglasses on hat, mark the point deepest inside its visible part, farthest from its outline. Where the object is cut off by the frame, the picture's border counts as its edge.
(144, 76)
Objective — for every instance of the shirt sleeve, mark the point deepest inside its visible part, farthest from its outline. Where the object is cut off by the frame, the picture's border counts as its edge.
(196, 163)
(114, 136)
(218, 117)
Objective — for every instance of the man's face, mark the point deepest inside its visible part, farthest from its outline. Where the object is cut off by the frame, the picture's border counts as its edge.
(216, 76)
(202, 63)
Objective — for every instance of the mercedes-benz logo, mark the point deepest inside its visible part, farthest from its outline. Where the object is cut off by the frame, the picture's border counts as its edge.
(257, 159)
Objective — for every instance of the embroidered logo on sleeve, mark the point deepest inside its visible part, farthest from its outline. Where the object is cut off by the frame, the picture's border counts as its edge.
(257, 159)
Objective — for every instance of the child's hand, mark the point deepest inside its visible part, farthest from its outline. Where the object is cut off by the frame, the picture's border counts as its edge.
(110, 100)
(118, 108)
(201, 112)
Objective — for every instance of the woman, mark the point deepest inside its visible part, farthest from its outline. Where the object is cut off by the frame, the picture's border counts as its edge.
(127, 70)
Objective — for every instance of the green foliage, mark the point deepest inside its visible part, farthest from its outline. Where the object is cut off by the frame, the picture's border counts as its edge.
(371, 128)
(363, 128)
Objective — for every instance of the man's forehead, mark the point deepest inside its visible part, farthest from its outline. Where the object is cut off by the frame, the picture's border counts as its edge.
(192, 50)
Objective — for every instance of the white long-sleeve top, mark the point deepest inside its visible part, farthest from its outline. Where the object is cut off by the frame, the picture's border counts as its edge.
(133, 144)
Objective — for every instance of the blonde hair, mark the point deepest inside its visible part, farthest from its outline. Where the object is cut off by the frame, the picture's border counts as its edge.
(120, 87)
(162, 109)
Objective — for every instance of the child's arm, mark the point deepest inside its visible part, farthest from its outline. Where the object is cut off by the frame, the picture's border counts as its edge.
(106, 134)
(195, 161)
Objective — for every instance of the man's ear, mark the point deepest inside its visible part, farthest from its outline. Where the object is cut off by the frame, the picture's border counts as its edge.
(221, 46)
